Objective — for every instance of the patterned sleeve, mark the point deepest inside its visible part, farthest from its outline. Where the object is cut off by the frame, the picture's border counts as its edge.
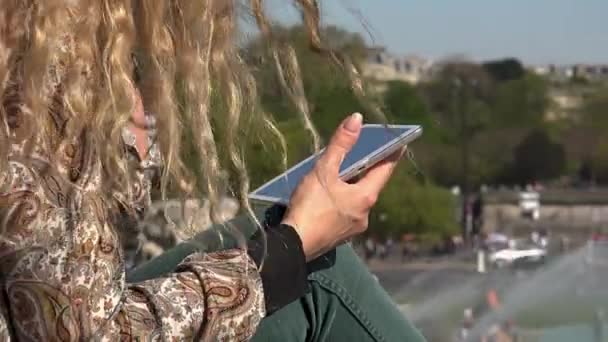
(62, 272)
(215, 288)
(4, 336)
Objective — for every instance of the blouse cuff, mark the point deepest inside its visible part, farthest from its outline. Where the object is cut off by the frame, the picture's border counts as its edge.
(284, 272)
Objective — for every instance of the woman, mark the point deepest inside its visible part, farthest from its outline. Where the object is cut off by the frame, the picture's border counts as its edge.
(77, 163)
(343, 300)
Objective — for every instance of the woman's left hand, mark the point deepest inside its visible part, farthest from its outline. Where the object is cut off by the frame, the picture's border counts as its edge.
(325, 210)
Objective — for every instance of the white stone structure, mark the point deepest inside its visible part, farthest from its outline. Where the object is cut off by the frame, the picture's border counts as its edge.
(382, 66)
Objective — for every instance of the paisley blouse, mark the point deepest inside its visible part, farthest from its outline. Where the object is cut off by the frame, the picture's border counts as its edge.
(62, 272)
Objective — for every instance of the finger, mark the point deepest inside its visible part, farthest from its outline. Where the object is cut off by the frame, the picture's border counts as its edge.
(378, 175)
(341, 143)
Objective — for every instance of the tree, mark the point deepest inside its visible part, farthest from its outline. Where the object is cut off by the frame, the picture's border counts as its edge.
(538, 158)
(326, 86)
(410, 206)
(591, 144)
(481, 117)
(520, 102)
(265, 157)
(458, 96)
(503, 70)
(493, 154)
(330, 107)
(404, 105)
(599, 163)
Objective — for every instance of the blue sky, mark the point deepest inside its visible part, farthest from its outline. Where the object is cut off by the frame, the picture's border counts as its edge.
(536, 31)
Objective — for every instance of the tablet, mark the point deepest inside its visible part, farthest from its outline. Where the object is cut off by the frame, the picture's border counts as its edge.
(375, 143)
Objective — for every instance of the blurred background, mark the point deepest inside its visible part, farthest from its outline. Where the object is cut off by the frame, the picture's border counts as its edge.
(496, 228)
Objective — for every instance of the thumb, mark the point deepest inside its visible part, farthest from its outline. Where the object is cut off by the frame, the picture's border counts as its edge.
(342, 142)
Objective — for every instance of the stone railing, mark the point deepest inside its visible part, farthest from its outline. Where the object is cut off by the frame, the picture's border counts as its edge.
(168, 223)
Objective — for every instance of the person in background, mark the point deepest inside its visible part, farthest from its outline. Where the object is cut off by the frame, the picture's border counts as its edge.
(390, 243)
(511, 330)
(381, 250)
(370, 248)
(535, 237)
(409, 248)
(477, 216)
(467, 325)
(500, 333)
(467, 219)
(543, 240)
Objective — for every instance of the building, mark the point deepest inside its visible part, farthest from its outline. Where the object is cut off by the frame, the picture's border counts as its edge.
(564, 103)
(589, 72)
(383, 66)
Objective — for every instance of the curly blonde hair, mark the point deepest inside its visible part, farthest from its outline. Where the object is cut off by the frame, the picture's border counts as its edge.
(78, 58)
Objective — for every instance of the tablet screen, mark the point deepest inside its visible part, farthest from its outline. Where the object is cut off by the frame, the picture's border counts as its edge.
(373, 138)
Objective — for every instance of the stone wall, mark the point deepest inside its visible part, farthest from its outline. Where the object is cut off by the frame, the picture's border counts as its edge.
(576, 219)
(168, 223)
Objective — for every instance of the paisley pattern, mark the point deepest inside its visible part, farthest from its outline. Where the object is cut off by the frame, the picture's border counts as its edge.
(62, 270)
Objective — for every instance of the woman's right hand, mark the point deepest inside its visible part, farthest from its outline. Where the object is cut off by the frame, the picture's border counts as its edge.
(326, 211)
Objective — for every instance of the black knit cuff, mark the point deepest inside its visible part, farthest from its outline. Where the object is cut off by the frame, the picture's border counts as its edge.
(284, 273)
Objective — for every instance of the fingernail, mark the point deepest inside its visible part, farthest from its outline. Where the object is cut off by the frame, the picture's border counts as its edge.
(353, 124)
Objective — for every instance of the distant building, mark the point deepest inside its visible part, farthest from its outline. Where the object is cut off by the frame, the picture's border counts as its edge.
(541, 70)
(383, 66)
(590, 72)
(564, 103)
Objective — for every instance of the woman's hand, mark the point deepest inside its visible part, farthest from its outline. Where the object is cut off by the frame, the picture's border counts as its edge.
(326, 211)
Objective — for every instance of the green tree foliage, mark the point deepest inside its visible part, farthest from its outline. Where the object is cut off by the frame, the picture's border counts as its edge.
(458, 97)
(599, 164)
(408, 206)
(327, 90)
(331, 107)
(404, 105)
(265, 156)
(591, 138)
(321, 77)
(593, 113)
(490, 108)
(520, 102)
(503, 70)
(538, 158)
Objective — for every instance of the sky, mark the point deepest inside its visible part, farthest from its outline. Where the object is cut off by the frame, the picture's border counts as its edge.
(535, 31)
